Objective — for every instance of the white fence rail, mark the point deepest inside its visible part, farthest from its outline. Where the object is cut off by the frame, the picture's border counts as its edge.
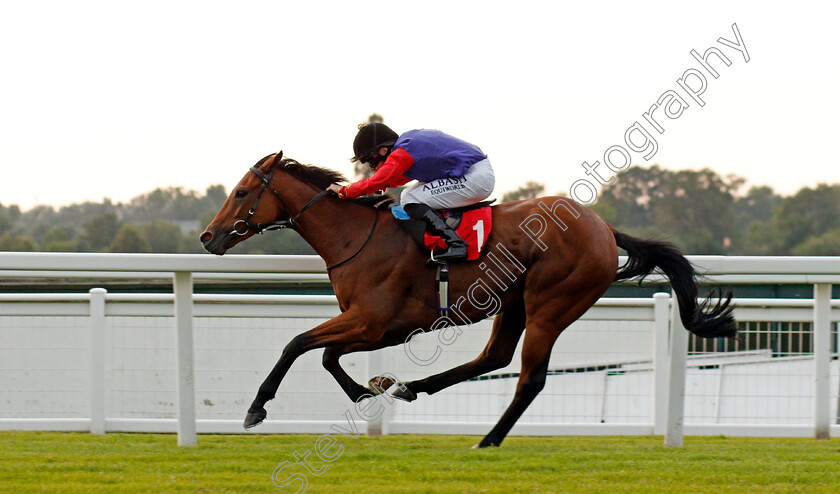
(190, 363)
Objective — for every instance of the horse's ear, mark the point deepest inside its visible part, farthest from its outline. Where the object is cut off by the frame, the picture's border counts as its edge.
(276, 161)
(271, 161)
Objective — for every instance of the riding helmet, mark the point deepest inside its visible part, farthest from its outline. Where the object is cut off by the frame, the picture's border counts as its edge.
(372, 137)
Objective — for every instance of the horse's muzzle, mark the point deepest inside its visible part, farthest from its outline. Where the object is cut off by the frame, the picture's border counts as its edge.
(213, 244)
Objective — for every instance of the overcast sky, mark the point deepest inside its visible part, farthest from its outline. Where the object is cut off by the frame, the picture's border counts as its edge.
(113, 99)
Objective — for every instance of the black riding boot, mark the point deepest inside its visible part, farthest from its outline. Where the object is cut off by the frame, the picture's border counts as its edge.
(456, 247)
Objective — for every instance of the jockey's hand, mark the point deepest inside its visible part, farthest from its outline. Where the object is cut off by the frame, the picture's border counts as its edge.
(336, 189)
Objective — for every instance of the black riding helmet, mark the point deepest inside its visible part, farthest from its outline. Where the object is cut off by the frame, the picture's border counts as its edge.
(370, 138)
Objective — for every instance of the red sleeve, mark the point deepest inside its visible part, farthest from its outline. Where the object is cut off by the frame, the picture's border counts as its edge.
(390, 174)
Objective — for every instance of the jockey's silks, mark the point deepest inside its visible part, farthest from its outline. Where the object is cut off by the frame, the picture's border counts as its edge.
(422, 155)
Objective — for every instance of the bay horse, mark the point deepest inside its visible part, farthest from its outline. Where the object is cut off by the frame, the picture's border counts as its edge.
(546, 262)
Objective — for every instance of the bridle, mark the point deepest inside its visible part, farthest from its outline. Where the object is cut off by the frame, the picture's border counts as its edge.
(291, 221)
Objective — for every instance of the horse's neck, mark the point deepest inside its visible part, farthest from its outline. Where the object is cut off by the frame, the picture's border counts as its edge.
(331, 227)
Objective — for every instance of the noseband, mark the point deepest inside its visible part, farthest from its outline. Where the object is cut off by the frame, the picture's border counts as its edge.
(274, 225)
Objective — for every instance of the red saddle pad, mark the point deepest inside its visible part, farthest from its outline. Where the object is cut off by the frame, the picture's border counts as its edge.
(474, 229)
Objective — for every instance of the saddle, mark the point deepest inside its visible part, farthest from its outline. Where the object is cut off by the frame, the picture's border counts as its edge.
(471, 223)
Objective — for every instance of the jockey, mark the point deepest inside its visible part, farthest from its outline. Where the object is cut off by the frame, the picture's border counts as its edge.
(450, 173)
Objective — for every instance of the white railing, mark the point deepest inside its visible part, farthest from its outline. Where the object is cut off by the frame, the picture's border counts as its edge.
(658, 355)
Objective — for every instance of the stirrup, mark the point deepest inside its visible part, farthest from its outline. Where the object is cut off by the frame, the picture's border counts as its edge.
(431, 261)
(446, 256)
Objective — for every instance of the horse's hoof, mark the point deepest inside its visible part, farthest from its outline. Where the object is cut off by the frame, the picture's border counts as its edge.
(404, 394)
(485, 444)
(379, 384)
(254, 418)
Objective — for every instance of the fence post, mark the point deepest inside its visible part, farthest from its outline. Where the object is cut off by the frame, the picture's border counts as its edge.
(183, 287)
(377, 424)
(97, 360)
(822, 359)
(676, 371)
(660, 361)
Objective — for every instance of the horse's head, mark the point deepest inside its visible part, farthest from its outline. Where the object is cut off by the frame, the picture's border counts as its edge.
(252, 202)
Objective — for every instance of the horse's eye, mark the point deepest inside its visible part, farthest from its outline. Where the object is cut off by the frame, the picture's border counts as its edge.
(241, 193)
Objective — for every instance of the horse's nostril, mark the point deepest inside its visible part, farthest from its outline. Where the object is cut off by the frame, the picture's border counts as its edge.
(205, 237)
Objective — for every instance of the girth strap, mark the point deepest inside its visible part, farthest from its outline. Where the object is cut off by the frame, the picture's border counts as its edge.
(442, 289)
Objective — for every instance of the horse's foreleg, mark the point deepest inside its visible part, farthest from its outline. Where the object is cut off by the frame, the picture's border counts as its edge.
(507, 328)
(354, 390)
(339, 330)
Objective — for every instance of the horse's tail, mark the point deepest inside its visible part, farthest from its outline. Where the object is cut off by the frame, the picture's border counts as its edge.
(705, 320)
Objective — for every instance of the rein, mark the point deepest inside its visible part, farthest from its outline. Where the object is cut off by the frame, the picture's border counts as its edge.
(290, 222)
(370, 234)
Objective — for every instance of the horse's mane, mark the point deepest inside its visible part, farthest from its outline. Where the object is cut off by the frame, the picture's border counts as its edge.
(323, 177)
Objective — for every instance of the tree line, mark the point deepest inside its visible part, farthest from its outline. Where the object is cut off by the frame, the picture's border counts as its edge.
(700, 211)
(166, 220)
(705, 213)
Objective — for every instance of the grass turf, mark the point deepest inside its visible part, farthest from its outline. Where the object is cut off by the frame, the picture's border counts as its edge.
(84, 463)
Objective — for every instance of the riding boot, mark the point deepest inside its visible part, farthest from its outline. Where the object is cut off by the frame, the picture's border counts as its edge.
(456, 247)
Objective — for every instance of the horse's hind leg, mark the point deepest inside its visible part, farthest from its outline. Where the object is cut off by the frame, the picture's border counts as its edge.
(536, 351)
(550, 307)
(507, 328)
